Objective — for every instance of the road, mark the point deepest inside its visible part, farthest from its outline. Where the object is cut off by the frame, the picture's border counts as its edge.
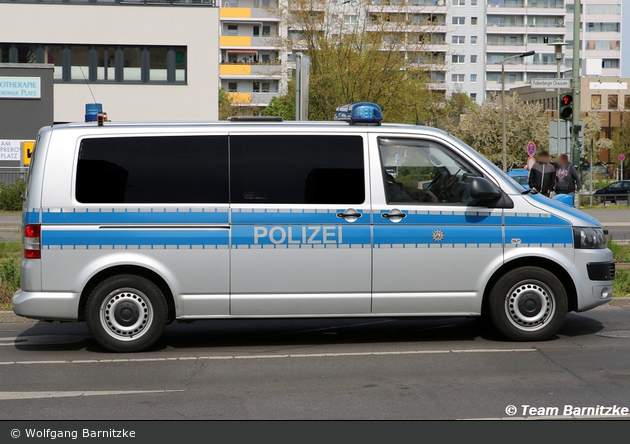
(315, 369)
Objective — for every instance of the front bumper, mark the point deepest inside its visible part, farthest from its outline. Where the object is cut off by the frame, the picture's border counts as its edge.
(593, 275)
(47, 306)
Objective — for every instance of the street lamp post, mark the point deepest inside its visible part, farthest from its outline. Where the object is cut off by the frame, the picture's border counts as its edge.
(557, 49)
(525, 54)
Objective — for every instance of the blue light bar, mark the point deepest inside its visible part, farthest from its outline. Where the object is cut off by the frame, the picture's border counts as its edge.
(362, 113)
(92, 110)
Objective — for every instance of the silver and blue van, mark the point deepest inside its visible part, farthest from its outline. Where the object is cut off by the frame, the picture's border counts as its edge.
(130, 226)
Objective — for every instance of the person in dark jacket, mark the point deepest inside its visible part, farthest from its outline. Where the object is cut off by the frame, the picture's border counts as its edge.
(542, 177)
(567, 177)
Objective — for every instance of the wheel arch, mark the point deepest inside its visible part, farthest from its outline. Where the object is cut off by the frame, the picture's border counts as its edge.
(533, 261)
(127, 269)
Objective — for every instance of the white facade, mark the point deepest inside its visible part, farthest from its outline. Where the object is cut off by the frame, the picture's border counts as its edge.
(161, 62)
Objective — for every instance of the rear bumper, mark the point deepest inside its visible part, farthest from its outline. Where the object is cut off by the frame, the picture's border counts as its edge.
(47, 306)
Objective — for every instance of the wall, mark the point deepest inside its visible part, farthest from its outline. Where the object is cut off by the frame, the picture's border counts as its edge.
(196, 27)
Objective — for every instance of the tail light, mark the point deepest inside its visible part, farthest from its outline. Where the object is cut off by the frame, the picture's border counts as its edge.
(32, 241)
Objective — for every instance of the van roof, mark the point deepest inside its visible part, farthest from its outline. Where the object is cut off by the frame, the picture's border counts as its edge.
(247, 125)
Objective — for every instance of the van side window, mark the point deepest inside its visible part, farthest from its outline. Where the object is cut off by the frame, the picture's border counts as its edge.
(424, 172)
(160, 170)
(299, 169)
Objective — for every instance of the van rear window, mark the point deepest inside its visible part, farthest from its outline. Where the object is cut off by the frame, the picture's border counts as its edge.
(297, 169)
(153, 170)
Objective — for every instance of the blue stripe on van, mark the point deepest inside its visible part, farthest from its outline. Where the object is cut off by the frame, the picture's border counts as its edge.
(31, 217)
(137, 238)
(538, 236)
(425, 235)
(545, 219)
(440, 217)
(278, 216)
(135, 216)
(301, 236)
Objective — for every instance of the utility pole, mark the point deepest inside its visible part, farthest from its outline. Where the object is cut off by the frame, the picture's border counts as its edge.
(575, 127)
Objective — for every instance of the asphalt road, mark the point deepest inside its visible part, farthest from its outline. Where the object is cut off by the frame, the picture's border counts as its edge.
(315, 369)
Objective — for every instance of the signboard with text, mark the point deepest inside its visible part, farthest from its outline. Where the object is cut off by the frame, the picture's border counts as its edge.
(551, 83)
(10, 150)
(20, 88)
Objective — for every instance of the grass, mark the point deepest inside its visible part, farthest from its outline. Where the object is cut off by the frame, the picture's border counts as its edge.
(622, 283)
(621, 252)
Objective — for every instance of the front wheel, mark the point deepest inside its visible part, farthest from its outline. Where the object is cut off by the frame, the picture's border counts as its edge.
(528, 304)
(126, 313)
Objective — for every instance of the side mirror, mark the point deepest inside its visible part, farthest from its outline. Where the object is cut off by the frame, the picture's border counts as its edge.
(482, 189)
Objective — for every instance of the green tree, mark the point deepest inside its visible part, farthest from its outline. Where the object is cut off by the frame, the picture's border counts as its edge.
(525, 122)
(621, 142)
(225, 106)
(284, 105)
(380, 57)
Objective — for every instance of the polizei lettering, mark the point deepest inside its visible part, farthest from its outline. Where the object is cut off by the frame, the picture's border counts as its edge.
(298, 235)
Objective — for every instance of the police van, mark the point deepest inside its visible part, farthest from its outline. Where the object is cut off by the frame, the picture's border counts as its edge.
(131, 226)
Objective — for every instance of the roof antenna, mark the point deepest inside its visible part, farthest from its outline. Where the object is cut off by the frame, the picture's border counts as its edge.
(87, 83)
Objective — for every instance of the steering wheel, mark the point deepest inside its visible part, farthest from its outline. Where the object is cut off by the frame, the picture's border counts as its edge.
(437, 185)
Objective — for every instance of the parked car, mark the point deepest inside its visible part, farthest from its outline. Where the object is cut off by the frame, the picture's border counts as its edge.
(521, 175)
(615, 191)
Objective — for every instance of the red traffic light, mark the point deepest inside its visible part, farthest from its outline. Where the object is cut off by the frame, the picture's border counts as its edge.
(566, 106)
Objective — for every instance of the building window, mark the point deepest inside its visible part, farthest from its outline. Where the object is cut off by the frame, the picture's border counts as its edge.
(459, 39)
(232, 87)
(459, 2)
(613, 101)
(458, 78)
(458, 59)
(610, 63)
(473, 2)
(350, 18)
(473, 59)
(473, 96)
(256, 87)
(626, 102)
(473, 78)
(596, 101)
(232, 30)
(473, 21)
(266, 31)
(473, 39)
(265, 87)
(256, 31)
(459, 21)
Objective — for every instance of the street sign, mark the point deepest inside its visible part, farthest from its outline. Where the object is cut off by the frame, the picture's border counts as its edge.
(551, 83)
(530, 163)
(621, 157)
(531, 149)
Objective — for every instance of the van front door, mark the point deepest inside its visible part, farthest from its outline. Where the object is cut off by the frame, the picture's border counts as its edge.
(433, 244)
(300, 225)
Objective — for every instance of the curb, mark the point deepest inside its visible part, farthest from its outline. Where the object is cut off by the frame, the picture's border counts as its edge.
(619, 300)
(10, 317)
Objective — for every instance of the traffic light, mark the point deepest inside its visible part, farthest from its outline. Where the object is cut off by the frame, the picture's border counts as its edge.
(566, 106)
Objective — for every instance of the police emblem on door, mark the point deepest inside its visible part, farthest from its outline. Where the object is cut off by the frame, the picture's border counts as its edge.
(437, 236)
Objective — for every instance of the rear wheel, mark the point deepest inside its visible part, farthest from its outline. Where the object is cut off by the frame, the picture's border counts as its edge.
(528, 304)
(126, 313)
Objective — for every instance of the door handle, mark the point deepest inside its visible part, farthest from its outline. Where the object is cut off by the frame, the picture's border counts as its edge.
(394, 215)
(350, 215)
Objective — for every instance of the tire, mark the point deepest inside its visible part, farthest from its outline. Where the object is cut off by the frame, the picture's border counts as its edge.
(126, 313)
(528, 304)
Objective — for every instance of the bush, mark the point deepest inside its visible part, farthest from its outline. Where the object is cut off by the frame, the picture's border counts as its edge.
(9, 280)
(11, 196)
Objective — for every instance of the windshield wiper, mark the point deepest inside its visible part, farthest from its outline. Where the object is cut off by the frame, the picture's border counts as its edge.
(530, 191)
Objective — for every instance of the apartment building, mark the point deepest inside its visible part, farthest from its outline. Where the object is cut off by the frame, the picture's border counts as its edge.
(143, 60)
(253, 66)
(470, 39)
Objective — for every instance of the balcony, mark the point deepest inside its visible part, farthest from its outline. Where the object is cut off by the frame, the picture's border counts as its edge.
(252, 99)
(248, 14)
(254, 70)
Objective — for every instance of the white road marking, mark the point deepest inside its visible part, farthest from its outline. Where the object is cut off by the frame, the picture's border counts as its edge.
(303, 355)
(5, 396)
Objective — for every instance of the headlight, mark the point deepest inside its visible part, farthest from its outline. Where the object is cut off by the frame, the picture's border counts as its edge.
(589, 238)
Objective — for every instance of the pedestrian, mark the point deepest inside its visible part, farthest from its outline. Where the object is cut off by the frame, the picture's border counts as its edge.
(542, 177)
(567, 176)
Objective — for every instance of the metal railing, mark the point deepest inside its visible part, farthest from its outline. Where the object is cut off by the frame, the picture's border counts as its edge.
(10, 175)
(603, 198)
